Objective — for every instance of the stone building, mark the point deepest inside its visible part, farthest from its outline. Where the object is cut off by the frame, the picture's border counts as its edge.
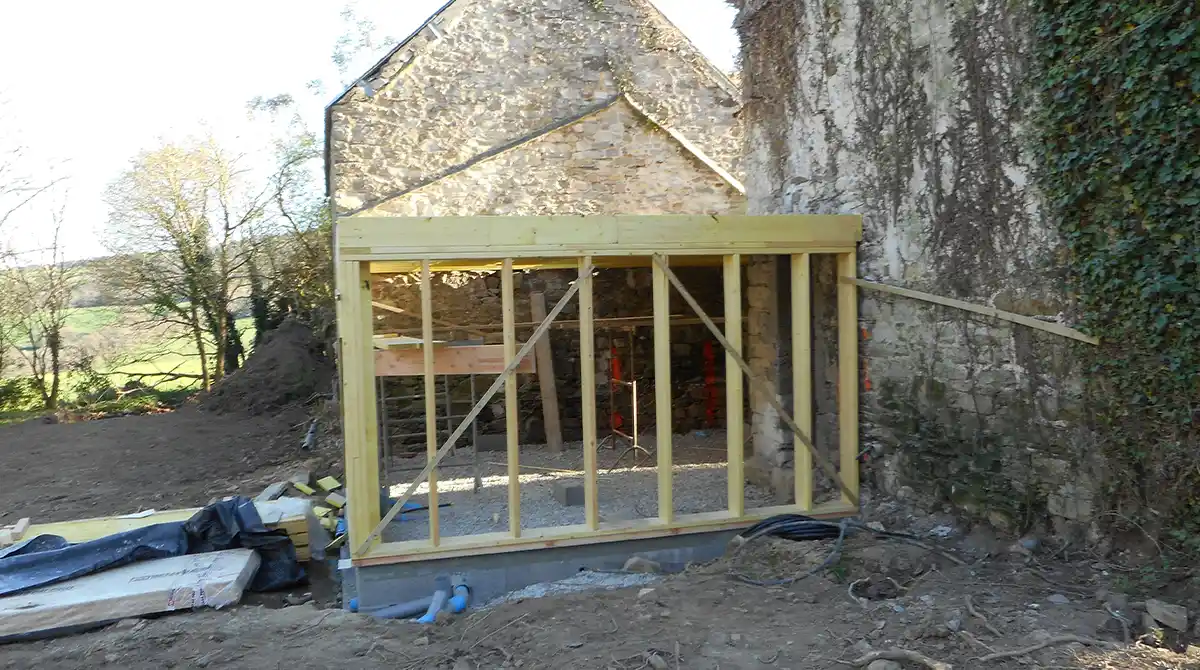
(912, 114)
(543, 107)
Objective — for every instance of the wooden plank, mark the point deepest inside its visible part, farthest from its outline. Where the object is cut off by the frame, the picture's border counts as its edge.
(580, 534)
(1047, 326)
(511, 402)
(459, 238)
(546, 379)
(802, 377)
(663, 411)
(847, 320)
(468, 419)
(21, 527)
(285, 513)
(356, 372)
(430, 370)
(213, 579)
(763, 386)
(272, 492)
(587, 375)
(479, 359)
(734, 411)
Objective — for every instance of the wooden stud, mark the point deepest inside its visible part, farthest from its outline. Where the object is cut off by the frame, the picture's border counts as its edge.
(802, 377)
(734, 412)
(546, 380)
(587, 364)
(763, 386)
(486, 398)
(359, 424)
(847, 320)
(663, 411)
(431, 436)
(511, 416)
(477, 359)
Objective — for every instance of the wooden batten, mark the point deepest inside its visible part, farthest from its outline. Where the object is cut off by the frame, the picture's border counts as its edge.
(734, 411)
(663, 412)
(802, 376)
(511, 410)
(430, 372)
(477, 359)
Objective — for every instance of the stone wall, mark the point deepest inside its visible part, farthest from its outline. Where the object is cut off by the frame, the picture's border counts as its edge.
(491, 72)
(613, 161)
(912, 114)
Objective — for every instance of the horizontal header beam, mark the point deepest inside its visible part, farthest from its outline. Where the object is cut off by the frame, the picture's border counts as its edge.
(492, 237)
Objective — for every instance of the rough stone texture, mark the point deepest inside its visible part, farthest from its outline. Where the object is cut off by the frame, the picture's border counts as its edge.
(912, 115)
(611, 162)
(503, 70)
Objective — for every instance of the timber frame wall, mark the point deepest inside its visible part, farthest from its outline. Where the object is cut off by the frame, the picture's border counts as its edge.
(367, 246)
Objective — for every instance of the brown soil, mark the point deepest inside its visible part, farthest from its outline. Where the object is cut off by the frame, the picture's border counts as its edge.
(701, 620)
(56, 472)
(288, 368)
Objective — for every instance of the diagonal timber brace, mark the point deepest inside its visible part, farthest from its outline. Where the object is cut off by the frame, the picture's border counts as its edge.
(755, 380)
(470, 417)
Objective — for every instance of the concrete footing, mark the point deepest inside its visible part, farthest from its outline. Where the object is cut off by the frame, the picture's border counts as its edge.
(494, 575)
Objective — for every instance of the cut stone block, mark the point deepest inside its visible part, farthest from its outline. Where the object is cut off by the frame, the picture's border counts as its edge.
(569, 492)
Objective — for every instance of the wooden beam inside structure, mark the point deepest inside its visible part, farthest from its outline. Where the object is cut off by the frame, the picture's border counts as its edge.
(547, 382)
(511, 409)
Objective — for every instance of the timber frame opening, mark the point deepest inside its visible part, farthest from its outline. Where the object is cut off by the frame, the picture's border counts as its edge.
(366, 246)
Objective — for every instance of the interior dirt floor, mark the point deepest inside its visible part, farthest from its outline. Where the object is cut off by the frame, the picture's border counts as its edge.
(64, 471)
(703, 620)
(627, 485)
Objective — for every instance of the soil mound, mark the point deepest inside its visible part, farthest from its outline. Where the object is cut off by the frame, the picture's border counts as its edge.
(288, 367)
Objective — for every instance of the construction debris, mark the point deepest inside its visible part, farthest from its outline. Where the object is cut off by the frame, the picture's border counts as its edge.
(329, 483)
(13, 534)
(213, 579)
(272, 492)
(304, 488)
(336, 499)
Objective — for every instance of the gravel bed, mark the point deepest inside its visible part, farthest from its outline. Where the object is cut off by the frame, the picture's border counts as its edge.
(628, 491)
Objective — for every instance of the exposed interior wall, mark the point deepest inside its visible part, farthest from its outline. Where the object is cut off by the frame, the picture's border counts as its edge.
(912, 113)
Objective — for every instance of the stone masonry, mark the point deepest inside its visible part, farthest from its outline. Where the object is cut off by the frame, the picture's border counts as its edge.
(912, 115)
(544, 107)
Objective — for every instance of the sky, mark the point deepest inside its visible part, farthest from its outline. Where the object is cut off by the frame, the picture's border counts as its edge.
(86, 85)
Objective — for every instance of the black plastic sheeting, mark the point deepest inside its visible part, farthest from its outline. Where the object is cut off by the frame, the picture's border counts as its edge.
(229, 524)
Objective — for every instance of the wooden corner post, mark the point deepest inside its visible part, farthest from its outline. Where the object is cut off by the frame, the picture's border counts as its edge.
(847, 319)
(357, 371)
(547, 384)
(663, 412)
(735, 419)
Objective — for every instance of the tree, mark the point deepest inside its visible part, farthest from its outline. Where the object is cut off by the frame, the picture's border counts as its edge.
(39, 286)
(186, 223)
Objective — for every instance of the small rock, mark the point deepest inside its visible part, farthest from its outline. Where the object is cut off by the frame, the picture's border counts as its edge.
(1059, 599)
(463, 664)
(884, 665)
(954, 625)
(111, 658)
(881, 624)
(718, 639)
(642, 593)
(641, 564)
(1171, 616)
(875, 525)
(422, 641)
(293, 600)
(735, 638)
(941, 531)
(927, 599)
(655, 661)
(1030, 542)
(861, 648)
(664, 614)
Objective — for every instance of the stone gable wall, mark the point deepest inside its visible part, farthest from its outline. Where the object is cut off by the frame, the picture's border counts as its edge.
(504, 69)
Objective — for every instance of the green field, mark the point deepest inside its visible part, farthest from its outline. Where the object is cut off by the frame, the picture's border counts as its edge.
(123, 346)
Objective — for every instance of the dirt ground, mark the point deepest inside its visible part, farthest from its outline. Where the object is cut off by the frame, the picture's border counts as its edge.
(879, 595)
(703, 619)
(56, 472)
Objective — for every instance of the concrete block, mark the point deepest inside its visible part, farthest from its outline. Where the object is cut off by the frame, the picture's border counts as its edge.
(569, 492)
(492, 442)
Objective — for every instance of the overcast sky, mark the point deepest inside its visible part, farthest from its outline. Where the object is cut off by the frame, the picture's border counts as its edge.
(87, 84)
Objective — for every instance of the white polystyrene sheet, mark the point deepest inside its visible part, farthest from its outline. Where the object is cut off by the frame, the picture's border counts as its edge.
(215, 579)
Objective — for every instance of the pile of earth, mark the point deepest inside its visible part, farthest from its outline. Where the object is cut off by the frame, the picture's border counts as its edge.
(289, 366)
